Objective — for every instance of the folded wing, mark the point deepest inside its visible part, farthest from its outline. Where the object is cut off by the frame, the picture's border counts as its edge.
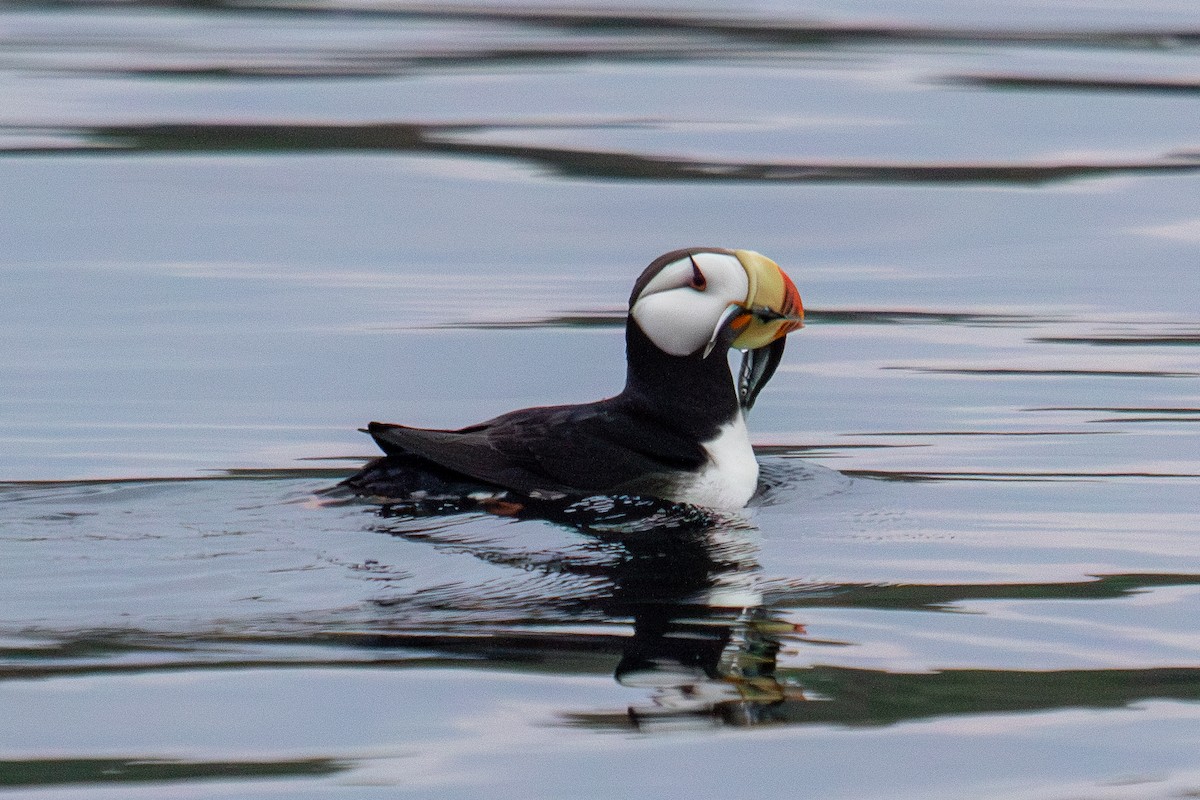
(555, 451)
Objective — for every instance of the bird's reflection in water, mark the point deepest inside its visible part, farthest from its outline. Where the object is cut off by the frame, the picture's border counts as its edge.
(702, 644)
(703, 648)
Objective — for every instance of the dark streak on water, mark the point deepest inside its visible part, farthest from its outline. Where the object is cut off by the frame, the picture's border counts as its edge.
(573, 19)
(1095, 373)
(402, 137)
(1009, 476)
(1109, 409)
(1125, 341)
(43, 772)
(1078, 84)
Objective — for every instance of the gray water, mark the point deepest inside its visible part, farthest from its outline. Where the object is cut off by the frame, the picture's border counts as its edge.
(234, 233)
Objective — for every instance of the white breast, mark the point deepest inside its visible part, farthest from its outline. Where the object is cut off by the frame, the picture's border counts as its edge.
(730, 477)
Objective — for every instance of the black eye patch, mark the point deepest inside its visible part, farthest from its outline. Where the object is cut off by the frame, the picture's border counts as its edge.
(698, 280)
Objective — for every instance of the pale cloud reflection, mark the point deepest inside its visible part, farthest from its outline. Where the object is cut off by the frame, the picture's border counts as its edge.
(1187, 230)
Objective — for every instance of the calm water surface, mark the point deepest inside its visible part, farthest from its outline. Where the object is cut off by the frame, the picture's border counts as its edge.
(232, 234)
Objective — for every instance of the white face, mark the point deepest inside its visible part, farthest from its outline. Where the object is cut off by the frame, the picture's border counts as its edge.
(680, 307)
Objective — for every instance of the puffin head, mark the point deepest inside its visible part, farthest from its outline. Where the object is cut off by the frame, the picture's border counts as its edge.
(692, 302)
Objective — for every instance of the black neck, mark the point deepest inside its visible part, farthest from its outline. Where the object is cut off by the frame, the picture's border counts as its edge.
(691, 394)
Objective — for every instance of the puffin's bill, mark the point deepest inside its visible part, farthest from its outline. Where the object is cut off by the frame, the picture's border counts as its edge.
(772, 309)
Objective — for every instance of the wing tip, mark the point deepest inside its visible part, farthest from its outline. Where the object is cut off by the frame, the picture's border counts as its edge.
(379, 432)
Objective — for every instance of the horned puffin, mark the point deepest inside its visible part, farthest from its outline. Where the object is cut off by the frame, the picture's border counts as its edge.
(677, 432)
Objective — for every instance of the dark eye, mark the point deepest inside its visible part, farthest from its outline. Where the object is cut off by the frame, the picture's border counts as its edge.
(698, 280)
